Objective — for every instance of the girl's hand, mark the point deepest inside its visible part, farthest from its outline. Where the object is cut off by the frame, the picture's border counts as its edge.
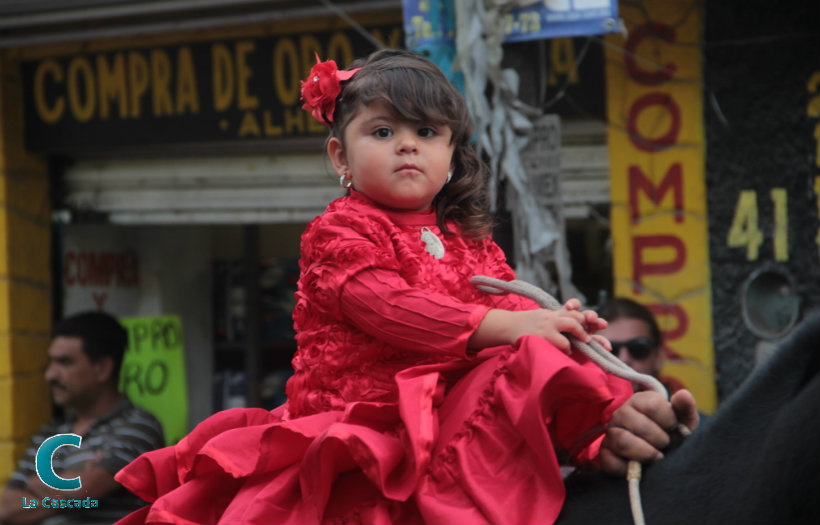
(639, 429)
(593, 322)
(603, 341)
(505, 327)
(552, 325)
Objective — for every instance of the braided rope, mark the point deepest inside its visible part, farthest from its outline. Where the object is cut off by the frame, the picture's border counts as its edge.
(598, 355)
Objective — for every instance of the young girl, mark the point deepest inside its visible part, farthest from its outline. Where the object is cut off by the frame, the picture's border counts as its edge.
(416, 397)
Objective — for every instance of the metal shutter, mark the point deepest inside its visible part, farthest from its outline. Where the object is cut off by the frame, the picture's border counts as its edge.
(281, 189)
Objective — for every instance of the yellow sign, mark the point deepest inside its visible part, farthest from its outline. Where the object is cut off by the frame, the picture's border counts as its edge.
(153, 371)
(659, 220)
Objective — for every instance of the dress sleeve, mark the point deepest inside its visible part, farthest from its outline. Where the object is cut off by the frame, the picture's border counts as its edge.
(383, 305)
(335, 247)
(513, 302)
(584, 448)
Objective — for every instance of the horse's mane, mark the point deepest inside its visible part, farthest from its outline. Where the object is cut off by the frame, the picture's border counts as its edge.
(781, 372)
(793, 364)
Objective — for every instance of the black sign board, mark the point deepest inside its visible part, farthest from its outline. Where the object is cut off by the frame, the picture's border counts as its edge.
(226, 90)
(763, 177)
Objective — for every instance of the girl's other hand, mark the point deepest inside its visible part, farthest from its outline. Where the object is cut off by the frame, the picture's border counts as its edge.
(603, 341)
(593, 322)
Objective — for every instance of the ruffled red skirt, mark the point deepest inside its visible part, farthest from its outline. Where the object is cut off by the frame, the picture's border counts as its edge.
(470, 441)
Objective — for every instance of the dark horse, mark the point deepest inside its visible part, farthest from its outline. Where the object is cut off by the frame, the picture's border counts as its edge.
(755, 461)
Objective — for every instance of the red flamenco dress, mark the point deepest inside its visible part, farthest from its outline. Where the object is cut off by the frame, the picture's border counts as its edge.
(390, 419)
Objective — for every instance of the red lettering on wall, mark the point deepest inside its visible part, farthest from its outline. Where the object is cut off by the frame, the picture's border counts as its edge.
(639, 181)
(119, 269)
(68, 263)
(640, 75)
(99, 300)
(665, 101)
(641, 269)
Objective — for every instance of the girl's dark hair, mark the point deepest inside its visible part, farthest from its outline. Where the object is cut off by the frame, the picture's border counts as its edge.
(418, 91)
(623, 308)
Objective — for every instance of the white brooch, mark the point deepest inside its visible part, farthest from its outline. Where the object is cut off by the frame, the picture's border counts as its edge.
(432, 243)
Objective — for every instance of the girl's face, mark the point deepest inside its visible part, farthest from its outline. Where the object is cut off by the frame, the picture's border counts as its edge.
(396, 163)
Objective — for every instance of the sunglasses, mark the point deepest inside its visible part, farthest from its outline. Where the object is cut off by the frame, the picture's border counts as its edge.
(638, 348)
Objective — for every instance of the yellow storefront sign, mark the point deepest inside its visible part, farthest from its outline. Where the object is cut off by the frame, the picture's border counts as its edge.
(657, 149)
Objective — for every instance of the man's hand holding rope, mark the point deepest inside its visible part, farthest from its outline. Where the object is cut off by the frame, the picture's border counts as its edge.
(641, 427)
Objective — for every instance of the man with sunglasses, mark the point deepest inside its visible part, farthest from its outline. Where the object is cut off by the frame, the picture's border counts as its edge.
(634, 334)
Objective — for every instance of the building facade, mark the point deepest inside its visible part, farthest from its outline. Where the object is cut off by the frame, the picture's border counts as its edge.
(155, 161)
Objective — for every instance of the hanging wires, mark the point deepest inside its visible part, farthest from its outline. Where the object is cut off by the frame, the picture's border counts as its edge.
(563, 89)
(355, 25)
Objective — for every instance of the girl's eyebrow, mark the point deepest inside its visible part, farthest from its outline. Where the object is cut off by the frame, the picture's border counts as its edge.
(389, 119)
(380, 118)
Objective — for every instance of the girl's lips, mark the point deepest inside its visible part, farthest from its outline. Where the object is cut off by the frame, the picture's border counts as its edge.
(404, 167)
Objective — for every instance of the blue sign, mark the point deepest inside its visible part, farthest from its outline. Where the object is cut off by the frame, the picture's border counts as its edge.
(430, 24)
(430, 30)
(560, 18)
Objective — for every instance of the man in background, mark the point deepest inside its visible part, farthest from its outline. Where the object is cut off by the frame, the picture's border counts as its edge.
(634, 334)
(85, 356)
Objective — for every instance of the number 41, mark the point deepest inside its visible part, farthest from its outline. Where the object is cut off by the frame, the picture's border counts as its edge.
(745, 231)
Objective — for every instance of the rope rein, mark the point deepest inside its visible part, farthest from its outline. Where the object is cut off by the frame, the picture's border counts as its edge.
(598, 355)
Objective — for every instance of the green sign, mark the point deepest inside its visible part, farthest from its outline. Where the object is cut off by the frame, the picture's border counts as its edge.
(153, 371)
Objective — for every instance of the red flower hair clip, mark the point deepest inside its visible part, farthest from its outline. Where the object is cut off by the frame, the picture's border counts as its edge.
(322, 86)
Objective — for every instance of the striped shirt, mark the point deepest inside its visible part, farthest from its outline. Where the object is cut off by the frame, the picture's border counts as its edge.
(113, 441)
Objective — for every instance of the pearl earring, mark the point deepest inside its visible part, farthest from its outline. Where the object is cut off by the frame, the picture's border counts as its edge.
(344, 181)
(449, 176)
